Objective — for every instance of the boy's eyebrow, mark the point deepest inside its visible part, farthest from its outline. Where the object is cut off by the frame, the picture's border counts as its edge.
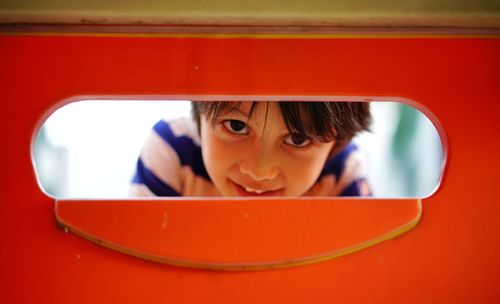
(235, 110)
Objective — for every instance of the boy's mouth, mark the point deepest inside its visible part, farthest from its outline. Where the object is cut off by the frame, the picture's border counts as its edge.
(249, 191)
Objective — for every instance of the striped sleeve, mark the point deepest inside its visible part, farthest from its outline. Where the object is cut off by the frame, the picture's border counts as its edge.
(171, 163)
(344, 174)
(158, 167)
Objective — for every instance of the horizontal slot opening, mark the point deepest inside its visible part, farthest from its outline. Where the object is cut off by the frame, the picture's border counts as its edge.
(90, 148)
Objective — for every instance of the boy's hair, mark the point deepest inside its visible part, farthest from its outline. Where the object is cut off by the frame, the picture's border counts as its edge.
(320, 121)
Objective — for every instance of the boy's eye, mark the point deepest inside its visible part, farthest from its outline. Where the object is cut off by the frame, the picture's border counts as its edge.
(236, 126)
(297, 140)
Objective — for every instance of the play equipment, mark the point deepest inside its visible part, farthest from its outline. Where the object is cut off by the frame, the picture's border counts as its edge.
(446, 64)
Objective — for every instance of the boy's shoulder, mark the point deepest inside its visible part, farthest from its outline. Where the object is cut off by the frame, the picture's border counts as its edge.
(170, 162)
(179, 130)
(344, 174)
(336, 164)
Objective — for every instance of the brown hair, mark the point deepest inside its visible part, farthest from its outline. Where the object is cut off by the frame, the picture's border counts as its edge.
(322, 121)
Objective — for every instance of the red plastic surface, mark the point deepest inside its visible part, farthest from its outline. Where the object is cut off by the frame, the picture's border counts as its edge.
(451, 256)
(239, 234)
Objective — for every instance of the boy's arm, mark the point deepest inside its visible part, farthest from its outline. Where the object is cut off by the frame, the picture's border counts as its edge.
(358, 187)
(158, 167)
(344, 175)
(354, 181)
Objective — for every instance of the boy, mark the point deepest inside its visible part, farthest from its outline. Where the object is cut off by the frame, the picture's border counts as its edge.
(256, 149)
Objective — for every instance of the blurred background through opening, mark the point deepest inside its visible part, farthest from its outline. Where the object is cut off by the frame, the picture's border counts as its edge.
(89, 149)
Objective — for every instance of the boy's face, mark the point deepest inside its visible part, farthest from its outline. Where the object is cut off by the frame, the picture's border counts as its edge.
(257, 156)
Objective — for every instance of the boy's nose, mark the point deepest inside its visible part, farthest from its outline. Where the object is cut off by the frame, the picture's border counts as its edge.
(260, 164)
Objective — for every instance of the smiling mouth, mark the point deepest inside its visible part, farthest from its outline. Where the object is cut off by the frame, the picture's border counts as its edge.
(248, 191)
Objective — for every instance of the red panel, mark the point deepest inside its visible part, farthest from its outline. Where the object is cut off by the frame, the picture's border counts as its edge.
(239, 235)
(451, 256)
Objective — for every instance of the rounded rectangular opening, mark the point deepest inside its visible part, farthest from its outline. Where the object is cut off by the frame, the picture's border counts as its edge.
(90, 149)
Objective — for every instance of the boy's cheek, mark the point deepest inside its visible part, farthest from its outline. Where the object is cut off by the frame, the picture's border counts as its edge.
(222, 150)
(301, 175)
(220, 155)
